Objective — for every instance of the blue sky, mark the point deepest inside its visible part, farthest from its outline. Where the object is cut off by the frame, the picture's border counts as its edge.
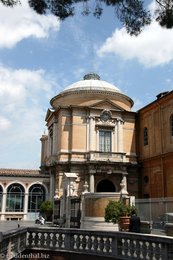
(39, 56)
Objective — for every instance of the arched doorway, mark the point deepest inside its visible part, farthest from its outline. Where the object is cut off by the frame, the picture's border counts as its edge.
(105, 186)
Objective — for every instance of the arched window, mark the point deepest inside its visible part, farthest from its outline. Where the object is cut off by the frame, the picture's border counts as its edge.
(37, 195)
(145, 136)
(106, 186)
(1, 194)
(15, 197)
(171, 125)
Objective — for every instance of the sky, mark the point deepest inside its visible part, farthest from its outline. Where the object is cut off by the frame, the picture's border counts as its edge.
(40, 56)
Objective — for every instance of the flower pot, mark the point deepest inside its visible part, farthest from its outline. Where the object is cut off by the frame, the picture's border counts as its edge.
(124, 223)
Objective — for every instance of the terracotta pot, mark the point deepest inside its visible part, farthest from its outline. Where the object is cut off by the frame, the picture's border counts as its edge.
(124, 223)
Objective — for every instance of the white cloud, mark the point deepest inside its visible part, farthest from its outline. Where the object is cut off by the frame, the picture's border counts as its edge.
(22, 22)
(24, 95)
(153, 47)
(4, 123)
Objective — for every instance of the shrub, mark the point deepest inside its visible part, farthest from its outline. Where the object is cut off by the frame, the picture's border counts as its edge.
(116, 209)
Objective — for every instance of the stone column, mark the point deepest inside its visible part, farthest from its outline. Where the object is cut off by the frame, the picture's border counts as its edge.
(120, 136)
(91, 135)
(55, 134)
(115, 138)
(51, 186)
(25, 206)
(92, 184)
(4, 199)
(87, 134)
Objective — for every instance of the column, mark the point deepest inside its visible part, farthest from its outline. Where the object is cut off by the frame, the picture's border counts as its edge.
(91, 181)
(4, 198)
(120, 136)
(91, 134)
(115, 138)
(55, 141)
(25, 206)
(87, 134)
(51, 187)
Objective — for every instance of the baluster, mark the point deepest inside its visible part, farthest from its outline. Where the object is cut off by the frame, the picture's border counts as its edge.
(48, 240)
(145, 249)
(84, 242)
(157, 250)
(36, 239)
(54, 240)
(95, 244)
(138, 248)
(90, 243)
(78, 242)
(151, 250)
(60, 240)
(132, 248)
(126, 247)
(101, 245)
(119, 246)
(30, 239)
(108, 247)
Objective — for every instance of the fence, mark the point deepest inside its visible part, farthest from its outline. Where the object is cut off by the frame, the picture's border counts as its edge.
(151, 209)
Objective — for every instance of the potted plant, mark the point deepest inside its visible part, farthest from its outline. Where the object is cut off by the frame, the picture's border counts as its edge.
(46, 208)
(118, 212)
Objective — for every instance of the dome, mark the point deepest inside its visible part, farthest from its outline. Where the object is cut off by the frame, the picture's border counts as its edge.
(90, 91)
(91, 81)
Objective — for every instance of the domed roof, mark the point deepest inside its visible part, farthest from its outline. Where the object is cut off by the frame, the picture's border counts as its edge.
(88, 91)
(91, 81)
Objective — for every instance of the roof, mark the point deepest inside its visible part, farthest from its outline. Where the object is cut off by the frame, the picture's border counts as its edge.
(19, 172)
(91, 82)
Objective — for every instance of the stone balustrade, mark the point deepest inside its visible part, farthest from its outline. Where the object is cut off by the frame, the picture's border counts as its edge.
(12, 243)
(114, 157)
(116, 245)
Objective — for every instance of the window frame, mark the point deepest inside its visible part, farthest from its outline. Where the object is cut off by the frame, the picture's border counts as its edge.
(145, 136)
(105, 141)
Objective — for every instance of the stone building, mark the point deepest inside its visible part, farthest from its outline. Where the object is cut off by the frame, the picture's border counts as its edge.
(96, 148)
(21, 193)
(90, 146)
(91, 136)
(155, 147)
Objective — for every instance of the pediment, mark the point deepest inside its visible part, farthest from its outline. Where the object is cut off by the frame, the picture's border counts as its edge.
(107, 104)
(50, 112)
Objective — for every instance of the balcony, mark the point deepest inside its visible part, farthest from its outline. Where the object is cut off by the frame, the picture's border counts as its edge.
(102, 156)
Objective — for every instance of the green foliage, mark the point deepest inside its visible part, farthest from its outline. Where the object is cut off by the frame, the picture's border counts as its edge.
(46, 207)
(131, 13)
(116, 209)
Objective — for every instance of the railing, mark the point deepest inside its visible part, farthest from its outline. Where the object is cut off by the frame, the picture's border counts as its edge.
(102, 156)
(116, 245)
(12, 243)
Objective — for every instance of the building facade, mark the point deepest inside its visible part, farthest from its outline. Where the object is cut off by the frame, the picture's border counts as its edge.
(95, 145)
(21, 193)
(155, 147)
(91, 133)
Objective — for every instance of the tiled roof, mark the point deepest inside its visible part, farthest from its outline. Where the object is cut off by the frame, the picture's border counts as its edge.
(19, 172)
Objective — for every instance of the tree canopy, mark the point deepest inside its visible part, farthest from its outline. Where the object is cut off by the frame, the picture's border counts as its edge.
(132, 14)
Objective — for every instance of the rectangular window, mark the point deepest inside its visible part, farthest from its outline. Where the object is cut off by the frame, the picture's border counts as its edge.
(105, 141)
(145, 136)
(171, 124)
